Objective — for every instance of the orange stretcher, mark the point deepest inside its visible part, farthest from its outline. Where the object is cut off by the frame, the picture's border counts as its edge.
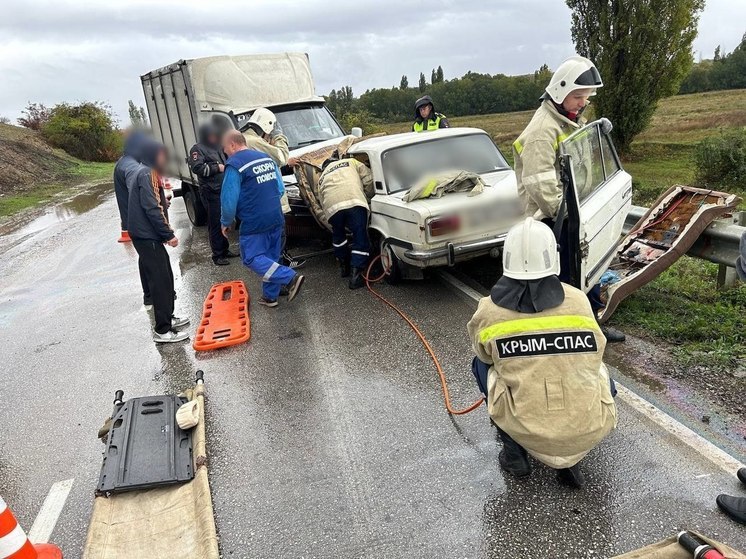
(225, 317)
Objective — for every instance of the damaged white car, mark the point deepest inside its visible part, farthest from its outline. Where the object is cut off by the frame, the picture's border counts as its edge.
(438, 231)
(456, 226)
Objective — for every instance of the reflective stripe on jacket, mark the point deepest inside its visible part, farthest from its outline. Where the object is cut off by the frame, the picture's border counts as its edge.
(440, 121)
(277, 149)
(547, 387)
(536, 163)
(345, 184)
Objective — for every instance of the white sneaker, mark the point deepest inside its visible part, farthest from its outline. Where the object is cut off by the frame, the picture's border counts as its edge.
(147, 307)
(170, 337)
(177, 322)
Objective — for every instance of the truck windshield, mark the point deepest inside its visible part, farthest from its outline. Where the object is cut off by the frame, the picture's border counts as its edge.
(404, 166)
(308, 125)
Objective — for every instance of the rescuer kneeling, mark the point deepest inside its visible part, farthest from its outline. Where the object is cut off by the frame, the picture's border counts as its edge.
(539, 360)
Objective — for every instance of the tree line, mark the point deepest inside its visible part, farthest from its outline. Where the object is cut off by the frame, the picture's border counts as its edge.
(723, 71)
(473, 93)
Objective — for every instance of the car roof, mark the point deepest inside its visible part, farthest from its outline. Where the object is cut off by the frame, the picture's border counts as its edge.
(379, 144)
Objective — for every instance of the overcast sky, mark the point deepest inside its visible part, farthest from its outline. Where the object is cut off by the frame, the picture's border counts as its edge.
(58, 50)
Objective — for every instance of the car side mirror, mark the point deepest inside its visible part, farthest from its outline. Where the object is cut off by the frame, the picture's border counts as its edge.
(357, 132)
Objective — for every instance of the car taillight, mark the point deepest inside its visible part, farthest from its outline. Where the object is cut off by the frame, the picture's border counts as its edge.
(444, 226)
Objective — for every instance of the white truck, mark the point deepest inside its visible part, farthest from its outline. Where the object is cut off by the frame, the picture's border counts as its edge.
(442, 231)
(226, 90)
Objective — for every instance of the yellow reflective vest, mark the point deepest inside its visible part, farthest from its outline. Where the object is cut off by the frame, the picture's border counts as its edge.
(428, 125)
(536, 163)
(277, 149)
(345, 184)
(547, 387)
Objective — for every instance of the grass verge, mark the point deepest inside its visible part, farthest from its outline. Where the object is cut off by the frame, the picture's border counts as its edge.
(78, 173)
(684, 308)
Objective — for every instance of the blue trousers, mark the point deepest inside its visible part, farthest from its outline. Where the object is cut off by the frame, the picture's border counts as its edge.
(356, 220)
(260, 253)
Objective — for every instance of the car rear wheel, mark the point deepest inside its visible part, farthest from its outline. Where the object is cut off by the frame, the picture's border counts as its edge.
(194, 207)
(390, 262)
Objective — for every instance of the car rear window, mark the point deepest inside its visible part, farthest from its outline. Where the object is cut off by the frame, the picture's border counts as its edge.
(404, 166)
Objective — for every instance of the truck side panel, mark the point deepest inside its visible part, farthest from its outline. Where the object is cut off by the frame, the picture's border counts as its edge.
(172, 116)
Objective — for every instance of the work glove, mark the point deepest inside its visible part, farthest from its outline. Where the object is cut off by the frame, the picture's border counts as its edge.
(606, 126)
(276, 131)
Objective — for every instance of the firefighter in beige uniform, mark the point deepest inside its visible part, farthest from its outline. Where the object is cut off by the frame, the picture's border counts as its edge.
(264, 134)
(345, 185)
(535, 153)
(539, 360)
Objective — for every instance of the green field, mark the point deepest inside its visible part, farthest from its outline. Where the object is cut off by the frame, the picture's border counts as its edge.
(682, 307)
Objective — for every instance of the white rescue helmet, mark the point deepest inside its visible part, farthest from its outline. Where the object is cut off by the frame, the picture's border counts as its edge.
(530, 251)
(264, 119)
(577, 72)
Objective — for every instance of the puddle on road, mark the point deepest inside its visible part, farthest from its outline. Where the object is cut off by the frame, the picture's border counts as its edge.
(76, 205)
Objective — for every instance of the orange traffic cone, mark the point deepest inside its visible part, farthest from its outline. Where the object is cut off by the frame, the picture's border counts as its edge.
(125, 237)
(15, 545)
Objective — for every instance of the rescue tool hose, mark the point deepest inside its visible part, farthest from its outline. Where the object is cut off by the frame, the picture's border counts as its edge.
(443, 383)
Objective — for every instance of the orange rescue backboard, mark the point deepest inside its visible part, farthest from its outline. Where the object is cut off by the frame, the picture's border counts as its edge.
(225, 317)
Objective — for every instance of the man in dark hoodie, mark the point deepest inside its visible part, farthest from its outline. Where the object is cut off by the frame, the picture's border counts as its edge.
(425, 117)
(126, 164)
(207, 160)
(148, 224)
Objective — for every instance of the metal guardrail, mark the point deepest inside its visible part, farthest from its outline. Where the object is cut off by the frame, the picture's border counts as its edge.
(719, 243)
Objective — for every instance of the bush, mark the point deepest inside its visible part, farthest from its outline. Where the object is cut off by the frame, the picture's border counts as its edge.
(363, 119)
(85, 131)
(721, 160)
(34, 116)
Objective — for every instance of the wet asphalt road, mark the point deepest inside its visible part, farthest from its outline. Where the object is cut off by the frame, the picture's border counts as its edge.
(327, 435)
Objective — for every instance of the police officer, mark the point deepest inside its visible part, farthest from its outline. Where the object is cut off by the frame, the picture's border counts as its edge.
(344, 189)
(252, 188)
(535, 153)
(425, 117)
(208, 164)
(539, 360)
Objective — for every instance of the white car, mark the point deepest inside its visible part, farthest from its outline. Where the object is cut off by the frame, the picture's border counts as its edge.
(442, 231)
(437, 231)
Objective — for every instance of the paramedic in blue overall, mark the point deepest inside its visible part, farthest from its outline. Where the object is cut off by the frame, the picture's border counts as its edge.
(252, 188)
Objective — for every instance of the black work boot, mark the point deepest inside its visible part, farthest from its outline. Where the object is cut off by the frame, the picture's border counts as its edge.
(735, 507)
(513, 458)
(571, 476)
(344, 268)
(357, 280)
(742, 475)
(613, 336)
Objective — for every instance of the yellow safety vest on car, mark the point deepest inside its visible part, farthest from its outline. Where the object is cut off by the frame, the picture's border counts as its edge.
(536, 163)
(428, 125)
(547, 386)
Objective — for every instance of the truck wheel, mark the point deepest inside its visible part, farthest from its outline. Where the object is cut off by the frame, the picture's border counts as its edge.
(390, 262)
(195, 210)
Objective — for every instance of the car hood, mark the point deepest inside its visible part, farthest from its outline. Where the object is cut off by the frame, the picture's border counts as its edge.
(297, 152)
